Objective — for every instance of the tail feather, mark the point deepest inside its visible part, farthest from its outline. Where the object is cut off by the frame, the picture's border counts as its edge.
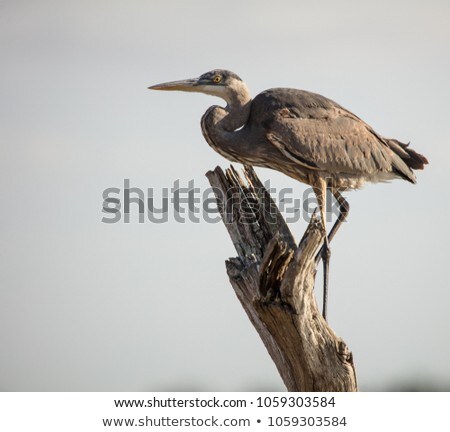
(412, 159)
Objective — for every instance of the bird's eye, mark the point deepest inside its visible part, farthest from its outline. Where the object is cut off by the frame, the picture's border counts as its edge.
(217, 79)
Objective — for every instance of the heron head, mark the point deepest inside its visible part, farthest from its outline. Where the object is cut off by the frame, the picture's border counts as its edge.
(218, 82)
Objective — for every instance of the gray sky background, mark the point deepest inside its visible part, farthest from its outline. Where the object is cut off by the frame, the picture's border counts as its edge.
(90, 306)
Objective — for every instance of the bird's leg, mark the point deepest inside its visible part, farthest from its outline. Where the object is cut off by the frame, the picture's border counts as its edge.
(320, 190)
(326, 253)
(344, 209)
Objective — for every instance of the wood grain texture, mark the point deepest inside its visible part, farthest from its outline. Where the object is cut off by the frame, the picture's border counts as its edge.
(274, 281)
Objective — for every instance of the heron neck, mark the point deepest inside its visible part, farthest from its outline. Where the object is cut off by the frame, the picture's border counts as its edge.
(219, 127)
(228, 119)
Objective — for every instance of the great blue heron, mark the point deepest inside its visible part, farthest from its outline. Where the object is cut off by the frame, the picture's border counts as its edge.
(302, 134)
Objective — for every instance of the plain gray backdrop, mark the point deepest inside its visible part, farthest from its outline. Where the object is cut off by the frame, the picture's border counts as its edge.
(90, 306)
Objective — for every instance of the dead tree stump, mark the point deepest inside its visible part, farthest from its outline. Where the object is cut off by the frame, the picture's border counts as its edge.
(274, 281)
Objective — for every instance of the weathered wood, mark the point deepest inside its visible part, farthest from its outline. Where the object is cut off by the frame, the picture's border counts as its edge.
(274, 281)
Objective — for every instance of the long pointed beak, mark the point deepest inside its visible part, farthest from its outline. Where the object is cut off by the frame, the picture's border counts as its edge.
(183, 85)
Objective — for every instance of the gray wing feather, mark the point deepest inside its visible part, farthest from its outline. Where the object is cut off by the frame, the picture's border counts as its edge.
(330, 140)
